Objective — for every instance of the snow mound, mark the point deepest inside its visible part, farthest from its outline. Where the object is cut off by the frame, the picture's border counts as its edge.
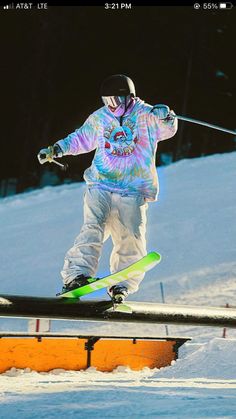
(212, 360)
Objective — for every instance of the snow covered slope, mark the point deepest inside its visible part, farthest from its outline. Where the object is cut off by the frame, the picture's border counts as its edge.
(193, 226)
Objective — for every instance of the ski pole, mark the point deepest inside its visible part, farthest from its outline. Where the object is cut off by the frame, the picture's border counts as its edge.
(163, 301)
(63, 166)
(206, 124)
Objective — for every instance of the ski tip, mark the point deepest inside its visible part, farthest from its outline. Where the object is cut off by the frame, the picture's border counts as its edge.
(155, 255)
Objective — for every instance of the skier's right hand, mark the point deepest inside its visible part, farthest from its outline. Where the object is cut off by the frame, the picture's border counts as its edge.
(47, 154)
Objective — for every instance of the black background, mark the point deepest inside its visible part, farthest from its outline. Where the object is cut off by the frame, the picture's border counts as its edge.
(53, 62)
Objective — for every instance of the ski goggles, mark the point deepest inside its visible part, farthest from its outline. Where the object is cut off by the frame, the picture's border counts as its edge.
(114, 101)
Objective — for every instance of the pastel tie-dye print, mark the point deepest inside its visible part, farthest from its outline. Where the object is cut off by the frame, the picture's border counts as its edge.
(124, 160)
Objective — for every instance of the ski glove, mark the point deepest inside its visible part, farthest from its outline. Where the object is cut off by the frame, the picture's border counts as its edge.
(162, 111)
(47, 154)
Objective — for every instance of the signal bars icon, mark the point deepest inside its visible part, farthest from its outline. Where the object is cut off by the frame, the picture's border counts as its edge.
(9, 6)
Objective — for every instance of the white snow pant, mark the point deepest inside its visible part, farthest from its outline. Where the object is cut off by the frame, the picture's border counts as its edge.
(107, 213)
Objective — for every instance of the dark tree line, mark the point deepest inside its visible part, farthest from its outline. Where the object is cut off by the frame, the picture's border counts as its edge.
(53, 63)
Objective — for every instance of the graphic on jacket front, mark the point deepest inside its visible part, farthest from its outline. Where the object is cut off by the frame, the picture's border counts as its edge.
(120, 141)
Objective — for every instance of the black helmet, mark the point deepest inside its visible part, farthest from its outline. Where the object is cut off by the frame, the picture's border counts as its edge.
(118, 85)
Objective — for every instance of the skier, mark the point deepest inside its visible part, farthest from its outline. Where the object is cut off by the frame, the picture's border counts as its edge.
(120, 182)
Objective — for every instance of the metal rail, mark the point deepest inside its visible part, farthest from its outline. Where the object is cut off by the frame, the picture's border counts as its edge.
(143, 312)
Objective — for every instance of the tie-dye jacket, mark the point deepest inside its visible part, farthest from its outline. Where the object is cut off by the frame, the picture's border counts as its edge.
(124, 160)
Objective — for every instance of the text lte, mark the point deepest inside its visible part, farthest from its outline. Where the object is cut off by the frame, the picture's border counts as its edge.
(42, 6)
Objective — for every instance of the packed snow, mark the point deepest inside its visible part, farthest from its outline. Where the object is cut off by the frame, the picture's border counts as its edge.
(193, 226)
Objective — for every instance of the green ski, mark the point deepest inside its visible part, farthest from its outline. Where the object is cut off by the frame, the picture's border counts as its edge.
(143, 265)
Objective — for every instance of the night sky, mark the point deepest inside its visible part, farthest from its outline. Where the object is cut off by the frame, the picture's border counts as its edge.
(53, 62)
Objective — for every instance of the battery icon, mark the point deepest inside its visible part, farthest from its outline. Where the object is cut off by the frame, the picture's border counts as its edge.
(226, 6)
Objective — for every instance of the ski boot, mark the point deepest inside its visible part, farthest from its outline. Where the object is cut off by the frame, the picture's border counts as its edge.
(118, 293)
(78, 281)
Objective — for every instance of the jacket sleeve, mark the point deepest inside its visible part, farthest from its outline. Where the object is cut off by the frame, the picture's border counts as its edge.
(162, 129)
(82, 140)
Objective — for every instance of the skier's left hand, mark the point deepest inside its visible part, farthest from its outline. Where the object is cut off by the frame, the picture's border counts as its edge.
(161, 111)
(47, 154)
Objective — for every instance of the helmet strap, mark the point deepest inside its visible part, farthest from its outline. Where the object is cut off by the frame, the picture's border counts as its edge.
(126, 108)
(127, 105)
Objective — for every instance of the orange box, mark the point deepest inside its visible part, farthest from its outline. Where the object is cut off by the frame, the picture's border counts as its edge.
(79, 353)
(136, 354)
